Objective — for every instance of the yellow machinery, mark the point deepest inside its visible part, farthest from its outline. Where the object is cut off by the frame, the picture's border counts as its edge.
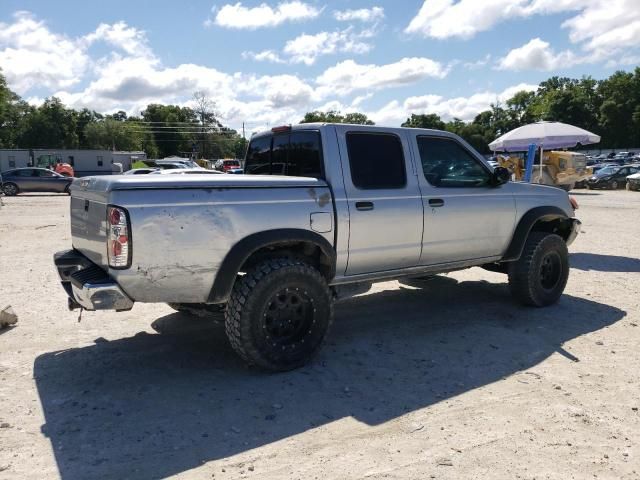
(560, 169)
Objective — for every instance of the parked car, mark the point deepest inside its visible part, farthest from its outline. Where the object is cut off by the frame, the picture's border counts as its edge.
(633, 181)
(141, 171)
(226, 165)
(23, 180)
(611, 177)
(187, 171)
(175, 161)
(272, 252)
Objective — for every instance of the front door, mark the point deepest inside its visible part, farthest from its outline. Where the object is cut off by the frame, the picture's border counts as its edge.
(385, 208)
(465, 217)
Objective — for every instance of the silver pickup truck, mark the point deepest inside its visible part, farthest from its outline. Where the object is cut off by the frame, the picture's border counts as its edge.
(320, 206)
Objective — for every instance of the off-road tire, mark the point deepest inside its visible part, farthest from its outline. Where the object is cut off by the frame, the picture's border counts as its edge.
(254, 302)
(539, 277)
(202, 310)
(10, 189)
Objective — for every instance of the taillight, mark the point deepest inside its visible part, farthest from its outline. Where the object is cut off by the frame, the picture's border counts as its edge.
(118, 241)
(574, 203)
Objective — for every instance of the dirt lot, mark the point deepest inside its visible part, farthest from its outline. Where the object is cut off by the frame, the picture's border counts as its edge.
(445, 379)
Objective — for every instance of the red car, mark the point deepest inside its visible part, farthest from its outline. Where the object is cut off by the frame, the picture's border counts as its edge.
(226, 165)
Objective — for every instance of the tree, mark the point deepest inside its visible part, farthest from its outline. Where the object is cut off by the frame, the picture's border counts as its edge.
(431, 120)
(13, 111)
(174, 129)
(51, 125)
(334, 116)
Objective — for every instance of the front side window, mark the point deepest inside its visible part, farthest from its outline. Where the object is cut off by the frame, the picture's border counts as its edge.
(295, 154)
(448, 164)
(44, 173)
(376, 161)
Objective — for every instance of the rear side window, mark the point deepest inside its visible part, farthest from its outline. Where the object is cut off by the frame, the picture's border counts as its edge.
(376, 161)
(296, 154)
(24, 173)
(446, 163)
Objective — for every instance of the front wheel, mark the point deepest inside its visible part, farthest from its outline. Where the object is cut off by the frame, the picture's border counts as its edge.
(539, 277)
(10, 189)
(279, 314)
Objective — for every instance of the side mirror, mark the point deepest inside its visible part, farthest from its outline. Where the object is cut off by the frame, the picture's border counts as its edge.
(501, 176)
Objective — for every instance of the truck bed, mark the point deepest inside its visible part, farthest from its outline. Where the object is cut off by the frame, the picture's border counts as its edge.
(182, 228)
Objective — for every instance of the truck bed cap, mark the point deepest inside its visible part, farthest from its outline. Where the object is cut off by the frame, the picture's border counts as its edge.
(107, 183)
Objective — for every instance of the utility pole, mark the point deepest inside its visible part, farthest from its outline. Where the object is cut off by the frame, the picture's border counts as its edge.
(243, 135)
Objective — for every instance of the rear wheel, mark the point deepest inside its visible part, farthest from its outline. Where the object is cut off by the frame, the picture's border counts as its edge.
(279, 314)
(539, 277)
(613, 185)
(10, 189)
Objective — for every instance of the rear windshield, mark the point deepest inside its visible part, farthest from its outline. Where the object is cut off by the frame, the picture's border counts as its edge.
(295, 154)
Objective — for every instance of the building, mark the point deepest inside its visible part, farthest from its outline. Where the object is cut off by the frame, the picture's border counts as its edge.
(84, 162)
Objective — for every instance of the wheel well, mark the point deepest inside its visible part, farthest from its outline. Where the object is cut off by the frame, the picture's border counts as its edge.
(307, 251)
(559, 226)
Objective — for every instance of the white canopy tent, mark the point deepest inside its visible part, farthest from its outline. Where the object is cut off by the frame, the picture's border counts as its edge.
(545, 135)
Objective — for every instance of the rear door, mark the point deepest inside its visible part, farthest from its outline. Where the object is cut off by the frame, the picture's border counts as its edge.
(27, 180)
(465, 217)
(385, 207)
(48, 181)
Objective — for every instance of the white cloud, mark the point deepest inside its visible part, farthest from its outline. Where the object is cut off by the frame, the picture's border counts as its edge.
(373, 14)
(464, 18)
(537, 55)
(465, 108)
(238, 16)
(33, 56)
(348, 76)
(483, 62)
(129, 39)
(600, 28)
(263, 56)
(307, 48)
(614, 24)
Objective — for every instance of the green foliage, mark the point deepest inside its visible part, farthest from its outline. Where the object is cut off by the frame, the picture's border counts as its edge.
(333, 116)
(431, 120)
(609, 108)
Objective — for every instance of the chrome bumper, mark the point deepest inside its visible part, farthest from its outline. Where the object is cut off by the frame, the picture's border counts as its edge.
(87, 285)
(576, 226)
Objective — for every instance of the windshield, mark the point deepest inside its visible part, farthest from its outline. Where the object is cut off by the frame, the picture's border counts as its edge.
(606, 171)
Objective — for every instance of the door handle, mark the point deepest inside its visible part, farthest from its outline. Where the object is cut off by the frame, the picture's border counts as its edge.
(364, 206)
(436, 202)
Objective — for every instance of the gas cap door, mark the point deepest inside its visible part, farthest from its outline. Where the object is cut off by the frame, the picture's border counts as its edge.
(321, 222)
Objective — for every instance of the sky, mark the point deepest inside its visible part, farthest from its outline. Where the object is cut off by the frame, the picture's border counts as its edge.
(266, 63)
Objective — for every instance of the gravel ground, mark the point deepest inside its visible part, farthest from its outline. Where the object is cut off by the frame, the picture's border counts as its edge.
(444, 379)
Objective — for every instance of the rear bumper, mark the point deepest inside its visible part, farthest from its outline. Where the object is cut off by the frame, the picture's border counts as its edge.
(87, 285)
(576, 226)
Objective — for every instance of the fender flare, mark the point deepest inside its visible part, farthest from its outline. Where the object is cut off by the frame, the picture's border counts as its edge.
(241, 251)
(528, 220)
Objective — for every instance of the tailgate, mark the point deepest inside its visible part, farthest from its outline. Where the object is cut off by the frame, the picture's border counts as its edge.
(89, 221)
